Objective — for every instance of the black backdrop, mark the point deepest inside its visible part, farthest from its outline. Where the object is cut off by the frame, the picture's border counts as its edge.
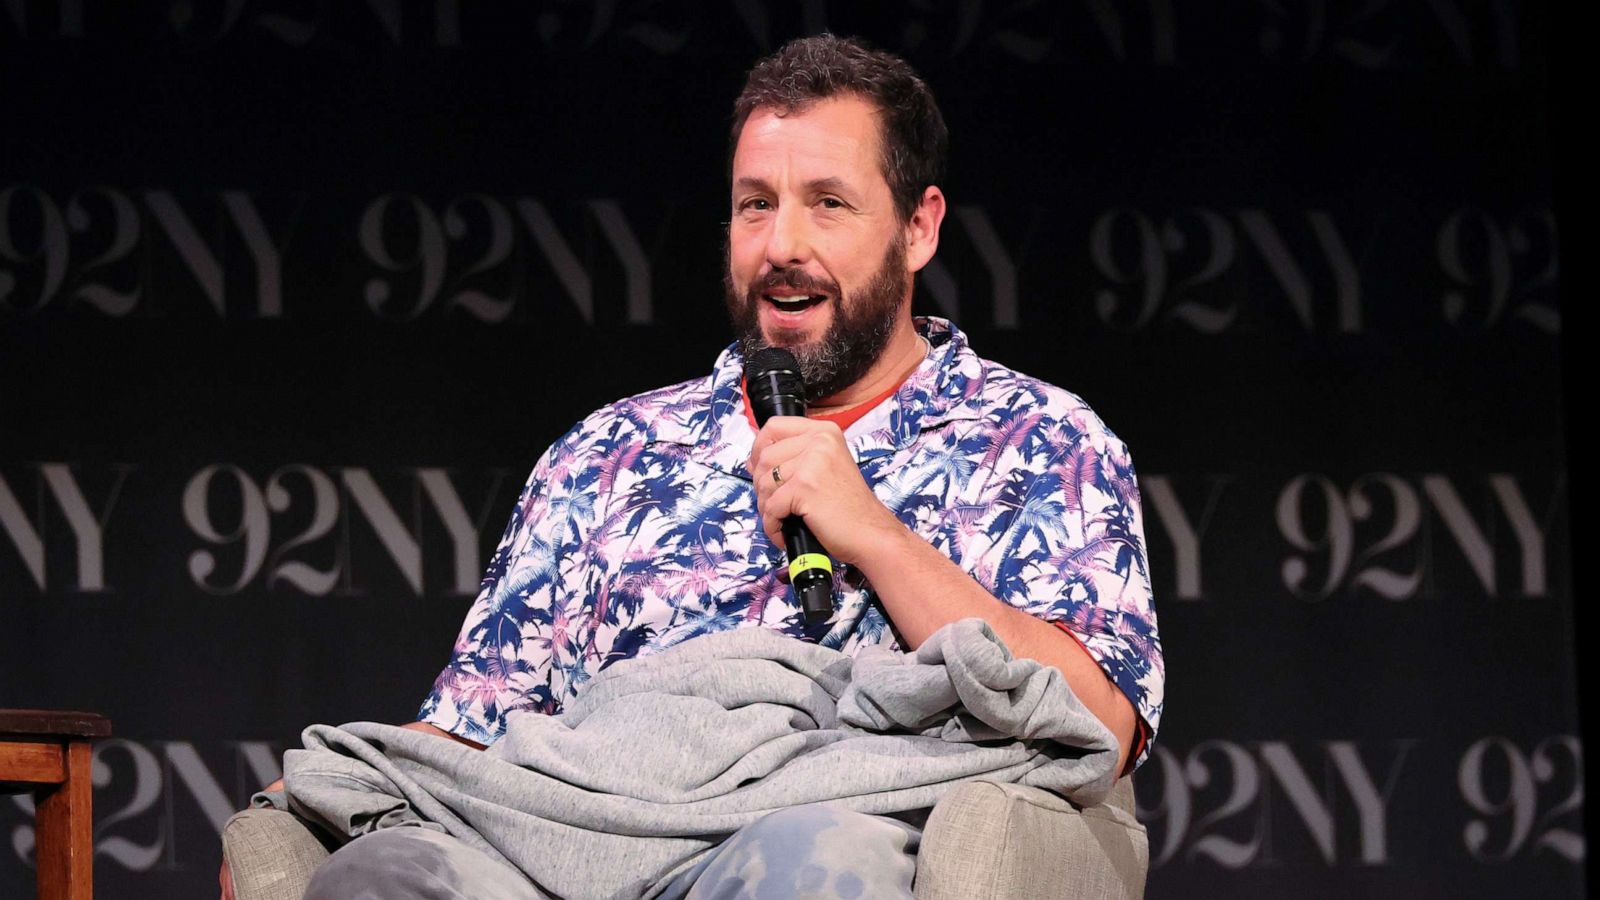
(293, 294)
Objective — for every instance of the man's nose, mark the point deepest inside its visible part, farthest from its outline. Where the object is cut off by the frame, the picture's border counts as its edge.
(789, 241)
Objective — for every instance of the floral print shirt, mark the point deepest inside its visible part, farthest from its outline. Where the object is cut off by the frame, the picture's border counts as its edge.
(638, 530)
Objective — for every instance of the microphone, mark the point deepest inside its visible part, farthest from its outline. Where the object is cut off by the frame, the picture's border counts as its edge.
(775, 388)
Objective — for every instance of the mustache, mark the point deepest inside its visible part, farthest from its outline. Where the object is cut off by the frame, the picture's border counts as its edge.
(794, 280)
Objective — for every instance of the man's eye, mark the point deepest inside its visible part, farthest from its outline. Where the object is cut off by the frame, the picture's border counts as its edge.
(758, 204)
(832, 203)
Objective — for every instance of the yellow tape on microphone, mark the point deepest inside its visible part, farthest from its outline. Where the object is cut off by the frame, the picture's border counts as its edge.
(806, 562)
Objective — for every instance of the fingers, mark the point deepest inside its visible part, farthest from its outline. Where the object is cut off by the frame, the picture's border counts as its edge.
(785, 455)
(817, 472)
(780, 429)
(804, 465)
(772, 523)
(776, 502)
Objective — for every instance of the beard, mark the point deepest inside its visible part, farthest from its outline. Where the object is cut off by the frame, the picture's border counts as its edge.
(857, 332)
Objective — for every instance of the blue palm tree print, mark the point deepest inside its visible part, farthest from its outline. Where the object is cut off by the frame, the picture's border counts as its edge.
(637, 530)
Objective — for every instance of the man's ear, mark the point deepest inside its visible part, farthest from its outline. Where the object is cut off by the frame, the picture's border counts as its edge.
(922, 232)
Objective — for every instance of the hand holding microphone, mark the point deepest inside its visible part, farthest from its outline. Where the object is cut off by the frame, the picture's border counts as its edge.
(775, 388)
(809, 489)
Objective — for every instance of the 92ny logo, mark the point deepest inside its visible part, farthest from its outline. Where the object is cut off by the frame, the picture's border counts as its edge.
(316, 530)
(1244, 805)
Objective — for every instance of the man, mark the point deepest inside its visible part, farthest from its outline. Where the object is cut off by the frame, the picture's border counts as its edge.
(944, 486)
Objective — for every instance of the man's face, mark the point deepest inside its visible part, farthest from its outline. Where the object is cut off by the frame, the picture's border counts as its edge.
(816, 253)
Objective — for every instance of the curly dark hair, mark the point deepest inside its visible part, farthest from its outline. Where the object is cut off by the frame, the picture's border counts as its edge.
(803, 71)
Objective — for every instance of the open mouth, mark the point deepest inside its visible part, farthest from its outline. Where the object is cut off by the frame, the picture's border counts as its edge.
(795, 304)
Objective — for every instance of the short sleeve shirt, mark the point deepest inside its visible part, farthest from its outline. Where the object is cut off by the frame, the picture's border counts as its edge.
(638, 530)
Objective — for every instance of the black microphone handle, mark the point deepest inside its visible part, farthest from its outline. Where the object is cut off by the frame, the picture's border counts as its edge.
(814, 589)
(776, 389)
(812, 583)
(786, 405)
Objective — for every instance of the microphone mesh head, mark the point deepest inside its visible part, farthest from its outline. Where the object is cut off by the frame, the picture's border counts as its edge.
(773, 370)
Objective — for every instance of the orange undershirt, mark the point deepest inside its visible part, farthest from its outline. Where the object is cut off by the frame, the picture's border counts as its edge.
(844, 419)
(854, 414)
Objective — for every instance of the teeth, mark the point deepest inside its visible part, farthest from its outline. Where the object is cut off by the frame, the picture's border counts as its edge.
(788, 302)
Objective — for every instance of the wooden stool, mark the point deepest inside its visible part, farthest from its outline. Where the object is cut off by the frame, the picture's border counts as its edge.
(47, 753)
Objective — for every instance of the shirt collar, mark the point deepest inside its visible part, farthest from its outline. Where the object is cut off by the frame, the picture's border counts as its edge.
(946, 387)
